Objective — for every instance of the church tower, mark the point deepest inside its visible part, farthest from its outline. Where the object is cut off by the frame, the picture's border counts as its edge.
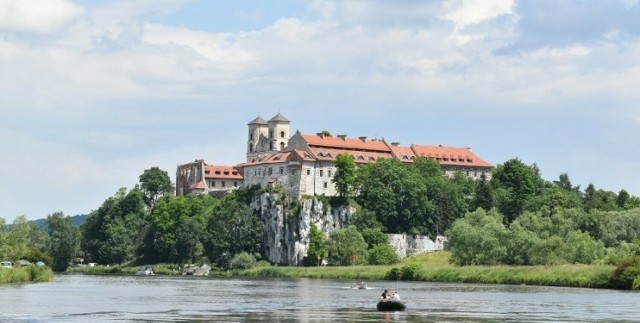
(278, 132)
(258, 128)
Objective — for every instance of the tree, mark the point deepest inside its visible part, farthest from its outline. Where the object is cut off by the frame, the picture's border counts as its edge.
(397, 194)
(483, 197)
(623, 197)
(317, 246)
(382, 254)
(232, 229)
(517, 183)
(345, 175)
(65, 240)
(478, 239)
(155, 183)
(346, 247)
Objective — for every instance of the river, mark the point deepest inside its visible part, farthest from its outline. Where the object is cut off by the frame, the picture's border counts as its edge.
(89, 298)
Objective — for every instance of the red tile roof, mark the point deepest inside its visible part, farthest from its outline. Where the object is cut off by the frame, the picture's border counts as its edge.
(198, 185)
(222, 172)
(346, 143)
(450, 156)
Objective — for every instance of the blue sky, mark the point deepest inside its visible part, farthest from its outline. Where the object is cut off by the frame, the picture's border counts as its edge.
(95, 92)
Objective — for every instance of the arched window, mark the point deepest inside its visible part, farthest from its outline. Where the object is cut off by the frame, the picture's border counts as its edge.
(281, 145)
(270, 146)
(250, 148)
(281, 134)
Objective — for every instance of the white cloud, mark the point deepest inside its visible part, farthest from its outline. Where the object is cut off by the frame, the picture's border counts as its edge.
(471, 12)
(37, 16)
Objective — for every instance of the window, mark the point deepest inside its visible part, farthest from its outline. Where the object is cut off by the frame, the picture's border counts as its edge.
(281, 134)
(281, 170)
(255, 172)
(235, 184)
(271, 146)
(213, 183)
(270, 170)
(326, 185)
(308, 172)
(321, 173)
(270, 133)
(251, 136)
(281, 145)
(329, 173)
(250, 148)
(223, 184)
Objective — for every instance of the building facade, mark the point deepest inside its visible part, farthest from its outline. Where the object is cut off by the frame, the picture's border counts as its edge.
(303, 164)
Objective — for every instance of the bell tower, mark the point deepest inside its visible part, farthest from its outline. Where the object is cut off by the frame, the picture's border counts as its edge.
(278, 132)
(258, 128)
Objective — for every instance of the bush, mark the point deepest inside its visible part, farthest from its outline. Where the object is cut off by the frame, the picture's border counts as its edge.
(406, 272)
(627, 274)
(242, 260)
(382, 254)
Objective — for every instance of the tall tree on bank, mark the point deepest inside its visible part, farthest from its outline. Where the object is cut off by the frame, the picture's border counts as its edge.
(65, 241)
(155, 183)
(317, 246)
(345, 176)
(232, 229)
(514, 183)
(483, 197)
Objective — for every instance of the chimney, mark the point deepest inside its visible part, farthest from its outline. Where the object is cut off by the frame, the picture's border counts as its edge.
(363, 138)
(343, 137)
(320, 134)
(395, 143)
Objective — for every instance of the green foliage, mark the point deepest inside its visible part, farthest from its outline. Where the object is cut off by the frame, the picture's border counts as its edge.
(514, 182)
(627, 274)
(345, 176)
(65, 241)
(478, 239)
(374, 236)
(346, 247)
(14, 240)
(382, 254)
(397, 194)
(483, 197)
(112, 233)
(232, 229)
(317, 246)
(155, 183)
(409, 271)
(243, 260)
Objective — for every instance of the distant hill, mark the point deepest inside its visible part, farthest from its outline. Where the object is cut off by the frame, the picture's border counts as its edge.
(43, 224)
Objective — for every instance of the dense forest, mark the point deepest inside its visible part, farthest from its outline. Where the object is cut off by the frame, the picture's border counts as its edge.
(515, 218)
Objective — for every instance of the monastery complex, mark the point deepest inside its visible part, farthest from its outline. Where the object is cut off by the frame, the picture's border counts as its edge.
(303, 164)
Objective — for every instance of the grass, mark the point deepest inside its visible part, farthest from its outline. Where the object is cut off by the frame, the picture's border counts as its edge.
(25, 274)
(432, 267)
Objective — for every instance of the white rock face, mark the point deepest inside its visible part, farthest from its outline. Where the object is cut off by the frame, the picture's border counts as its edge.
(286, 236)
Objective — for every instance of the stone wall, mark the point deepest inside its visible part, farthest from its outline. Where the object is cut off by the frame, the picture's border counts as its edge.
(407, 245)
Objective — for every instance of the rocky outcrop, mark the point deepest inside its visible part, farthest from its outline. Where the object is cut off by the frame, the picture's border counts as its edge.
(286, 230)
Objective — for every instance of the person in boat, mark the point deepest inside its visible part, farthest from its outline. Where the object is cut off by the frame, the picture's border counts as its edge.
(385, 295)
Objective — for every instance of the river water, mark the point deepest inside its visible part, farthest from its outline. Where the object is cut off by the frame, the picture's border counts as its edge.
(88, 298)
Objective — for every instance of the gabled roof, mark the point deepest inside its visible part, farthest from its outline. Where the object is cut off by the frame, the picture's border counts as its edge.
(222, 172)
(279, 118)
(450, 156)
(359, 156)
(346, 143)
(258, 120)
(199, 185)
(403, 154)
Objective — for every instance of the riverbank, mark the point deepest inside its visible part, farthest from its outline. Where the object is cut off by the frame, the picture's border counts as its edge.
(431, 267)
(25, 274)
(434, 267)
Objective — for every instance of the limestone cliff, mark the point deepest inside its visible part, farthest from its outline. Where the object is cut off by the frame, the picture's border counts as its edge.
(286, 235)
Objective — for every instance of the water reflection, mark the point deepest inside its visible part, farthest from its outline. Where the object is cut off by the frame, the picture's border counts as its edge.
(84, 298)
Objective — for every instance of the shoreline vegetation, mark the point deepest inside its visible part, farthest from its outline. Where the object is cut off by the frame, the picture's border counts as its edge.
(25, 274)
(431, 267)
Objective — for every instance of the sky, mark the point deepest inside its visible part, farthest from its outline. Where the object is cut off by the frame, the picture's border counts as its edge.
(93, 92)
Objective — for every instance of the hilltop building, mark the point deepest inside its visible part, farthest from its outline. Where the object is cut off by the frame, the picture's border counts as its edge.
(303, 164)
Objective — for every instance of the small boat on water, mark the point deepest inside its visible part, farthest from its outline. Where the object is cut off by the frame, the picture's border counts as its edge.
(146, 270)
(391, 305)
(360, 285)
